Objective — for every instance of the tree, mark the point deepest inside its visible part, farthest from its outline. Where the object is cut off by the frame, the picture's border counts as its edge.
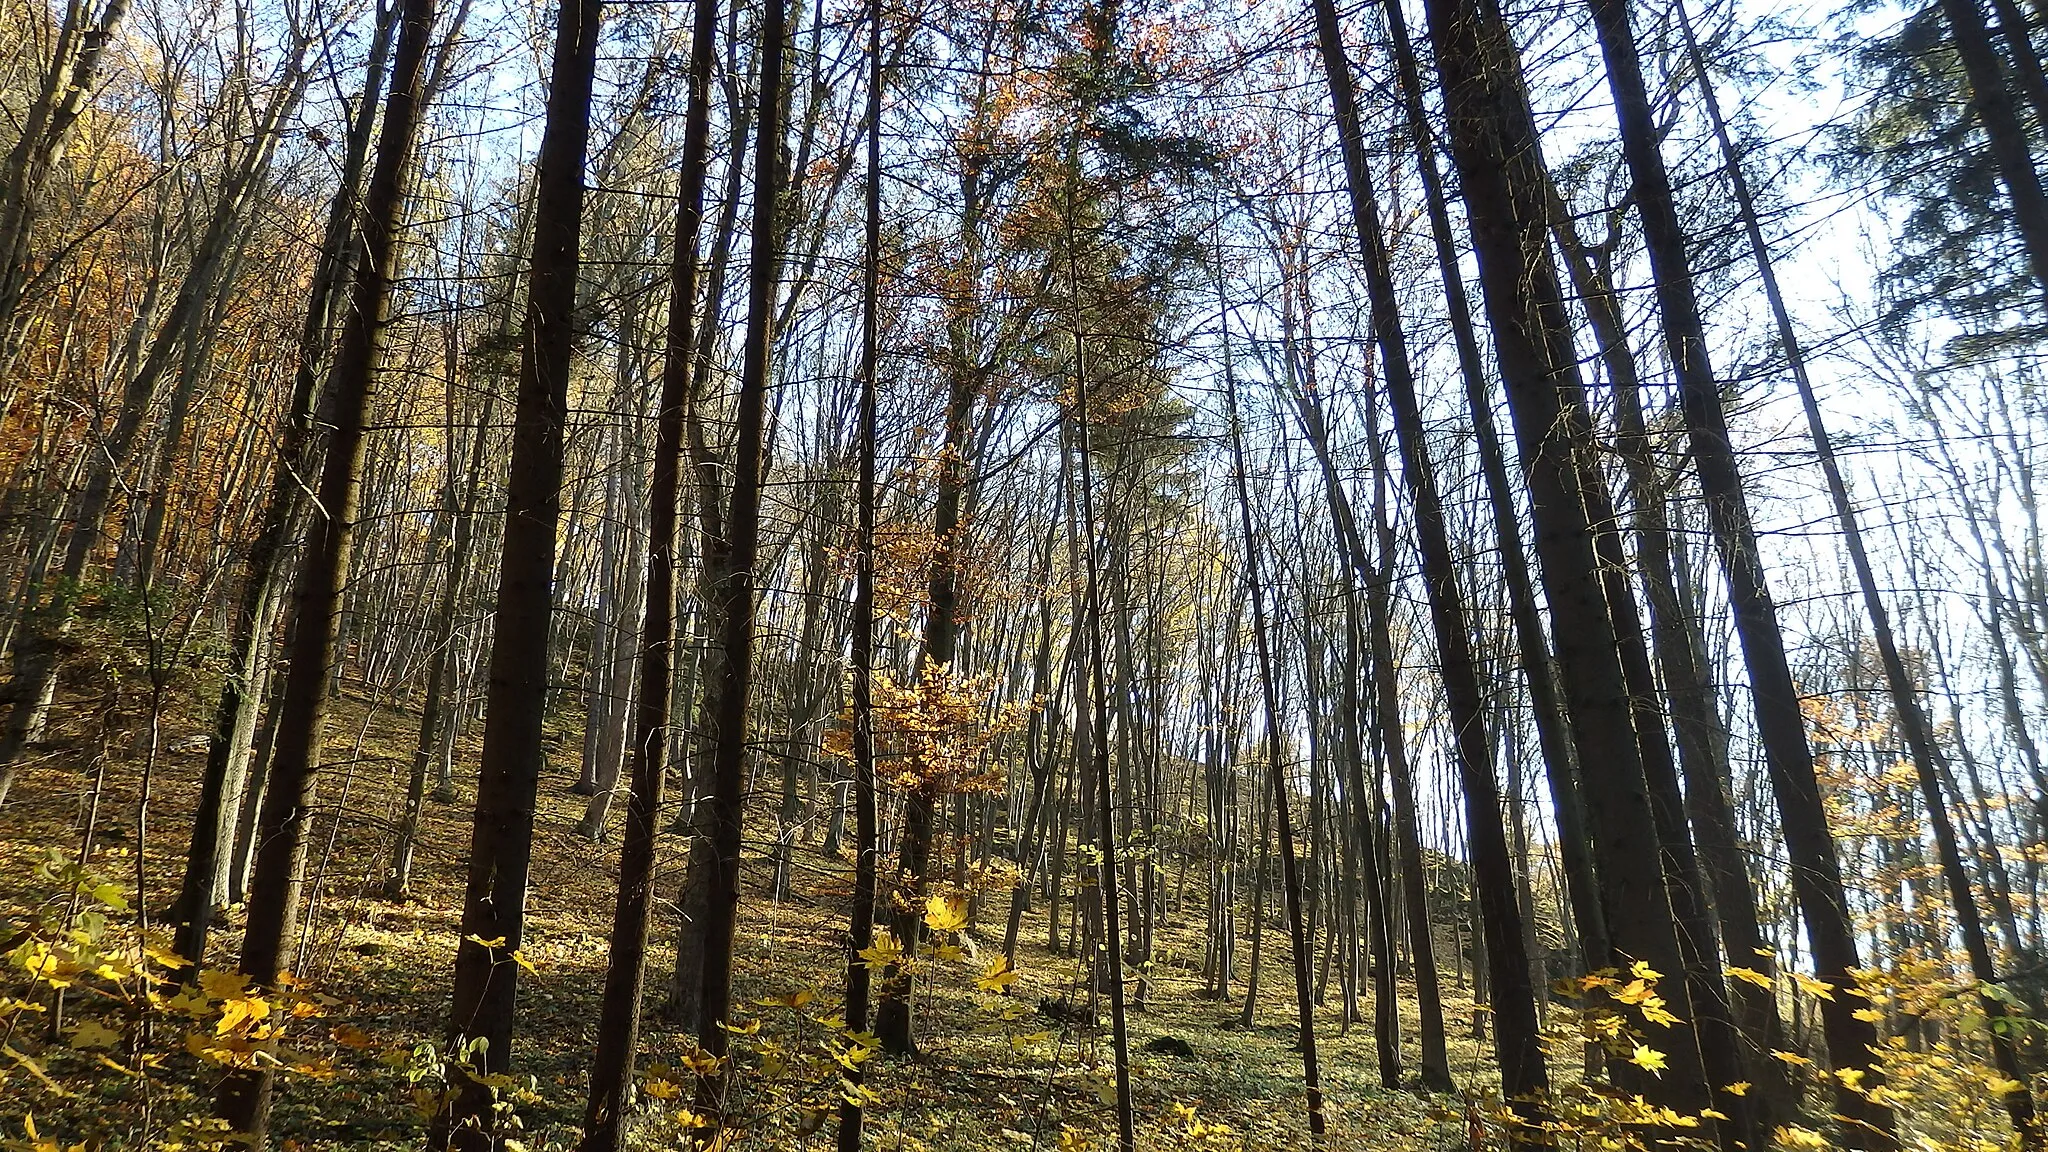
(501, 843)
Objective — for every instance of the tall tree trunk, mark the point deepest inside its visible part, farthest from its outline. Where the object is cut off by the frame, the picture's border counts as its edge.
(1498, 157)
(230, 744)
(861, 928)
(1276, 776)
(2005, 134)
(274, 895)
(730, 565)
(1517, 1043)
(618, 1033)
(1816, 873)
(501, 840)
(1912, 716)
(1553, 733)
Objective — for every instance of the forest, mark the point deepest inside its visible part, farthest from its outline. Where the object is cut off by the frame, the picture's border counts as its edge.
(1023, 574)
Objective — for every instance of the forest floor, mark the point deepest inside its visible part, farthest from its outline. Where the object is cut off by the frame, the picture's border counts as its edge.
(993, 1072)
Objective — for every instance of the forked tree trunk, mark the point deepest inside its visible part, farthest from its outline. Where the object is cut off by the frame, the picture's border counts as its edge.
(264, 574)
(1498, 157)
(729, 569)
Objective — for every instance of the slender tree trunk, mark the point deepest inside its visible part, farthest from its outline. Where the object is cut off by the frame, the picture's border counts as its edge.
(731, 569)
(861, 934)
(618, 1033)
(1276, 776)
(274, 896)
(435, 711)
(501, 841)
(229, 746)
(45, 136)
(1539, 670)
(1525, 1078)
(1781, 727)
(2005, 134)
(1906, 703)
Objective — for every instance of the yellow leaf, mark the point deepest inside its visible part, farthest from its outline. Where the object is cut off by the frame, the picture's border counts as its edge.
(222, 985)
(1868, 1015)
(661, 1089)
(1635, 992)
(1641, 970)
(1659, 1015)
(1792, 1058)
(93, 1034)
(1814, 987)
(493, 942)
(239, 1011)
(1851, 1078)
(999, 975)
(350, 1036)
(1649, 1058)
(885, 950)
(1739, 1088)
(162, 955)
(1751, 975)
(946, 913)
(1793, 1136)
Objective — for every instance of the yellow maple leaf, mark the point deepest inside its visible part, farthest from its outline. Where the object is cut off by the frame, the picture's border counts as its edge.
(946, 913)
(1739, 1088)
(1635, 992)
(885, 950)
(1793, 1136)
(1649, 1058)
(1749, 974)
(93, 1034)
(222, 985)
(998, 976)
(1814, 987)
(350, 1036)
(240, 1011)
